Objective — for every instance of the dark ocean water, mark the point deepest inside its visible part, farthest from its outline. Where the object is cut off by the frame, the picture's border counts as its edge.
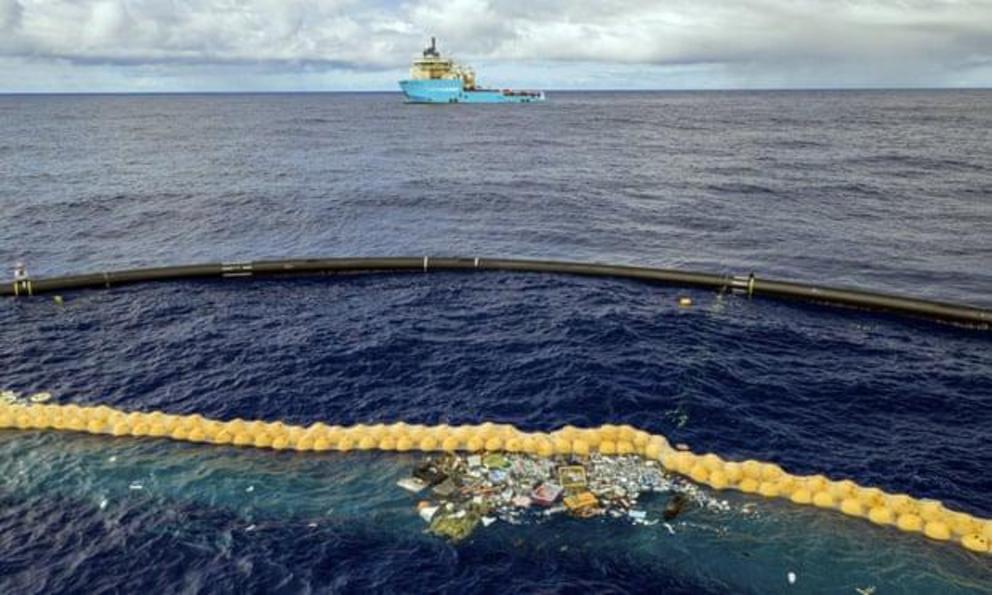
(884, 190)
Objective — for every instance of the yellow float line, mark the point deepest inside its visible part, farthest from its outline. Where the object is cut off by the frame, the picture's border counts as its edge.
(906, 513)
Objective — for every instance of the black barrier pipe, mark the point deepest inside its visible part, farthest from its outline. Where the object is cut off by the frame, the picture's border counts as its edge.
(933, 310)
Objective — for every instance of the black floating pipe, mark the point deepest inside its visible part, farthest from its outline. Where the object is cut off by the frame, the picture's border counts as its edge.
(939, 311)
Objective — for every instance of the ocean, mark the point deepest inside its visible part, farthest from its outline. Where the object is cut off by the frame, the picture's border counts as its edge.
(882, 190)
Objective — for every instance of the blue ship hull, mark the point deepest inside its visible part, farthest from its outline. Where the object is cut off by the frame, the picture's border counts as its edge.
(452, 91)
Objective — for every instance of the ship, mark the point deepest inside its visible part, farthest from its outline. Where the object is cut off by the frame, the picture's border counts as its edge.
(436, 79)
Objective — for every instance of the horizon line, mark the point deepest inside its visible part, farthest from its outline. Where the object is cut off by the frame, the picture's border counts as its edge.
(398, 92)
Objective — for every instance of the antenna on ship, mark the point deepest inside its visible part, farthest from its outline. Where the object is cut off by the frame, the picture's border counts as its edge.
(431, 51)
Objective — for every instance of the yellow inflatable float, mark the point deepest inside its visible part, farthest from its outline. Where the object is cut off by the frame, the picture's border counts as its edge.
(900, 511)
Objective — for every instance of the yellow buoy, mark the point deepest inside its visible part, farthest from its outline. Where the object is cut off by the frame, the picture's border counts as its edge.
(684, 462)
(493, 444)
(607, 447)
(931, 510)
(305, 443)
(749, 485)
(881, 515)
(801, 496)
(699, 474)
(771, 472)
(711, 462)
(963, 523)
(937, 530)
(870, 497)
(653, 451)
(768, 489)
(841, 490)
(733, 471)
(902, 504)
(975, 542)
(751, 469)
(909, 522)
(718, 480)
(580, 447)
(474, 444)
(851, 506)
(625, 447)
(823, 500)
(403, 444)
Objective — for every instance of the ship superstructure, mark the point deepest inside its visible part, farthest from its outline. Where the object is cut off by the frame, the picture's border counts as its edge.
(436, 79)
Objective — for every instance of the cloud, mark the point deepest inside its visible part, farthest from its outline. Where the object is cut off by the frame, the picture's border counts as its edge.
(804, 42)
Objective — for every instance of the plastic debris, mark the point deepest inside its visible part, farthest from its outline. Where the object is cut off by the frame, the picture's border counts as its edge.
(446, 488)
(495, 461)
(41, 397)
(455, 526)
(792, 578)
(468, 491)
(674, 507)
(521, 501)
(582, 505)
(427, 513)
(546, 493)
(572, 477)
(412, 484)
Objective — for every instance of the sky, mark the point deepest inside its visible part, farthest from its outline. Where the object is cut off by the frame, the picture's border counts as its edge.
(327, 45)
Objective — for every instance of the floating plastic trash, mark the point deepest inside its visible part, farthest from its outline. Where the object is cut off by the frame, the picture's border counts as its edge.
(546, 493)
(42, 397)
(412, 484)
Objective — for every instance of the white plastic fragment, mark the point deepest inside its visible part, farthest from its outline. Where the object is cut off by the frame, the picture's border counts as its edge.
(40, 397)
(792, 578)
(412, 484)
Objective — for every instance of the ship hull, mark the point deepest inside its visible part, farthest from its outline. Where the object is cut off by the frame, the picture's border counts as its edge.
(452, 91)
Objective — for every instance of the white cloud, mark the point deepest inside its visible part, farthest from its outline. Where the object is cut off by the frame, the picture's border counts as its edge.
(793, 42)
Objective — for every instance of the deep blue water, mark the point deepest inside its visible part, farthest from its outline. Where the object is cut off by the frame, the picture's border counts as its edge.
(885, 190)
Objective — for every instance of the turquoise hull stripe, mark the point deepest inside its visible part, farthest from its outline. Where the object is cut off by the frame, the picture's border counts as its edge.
(451, 91)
